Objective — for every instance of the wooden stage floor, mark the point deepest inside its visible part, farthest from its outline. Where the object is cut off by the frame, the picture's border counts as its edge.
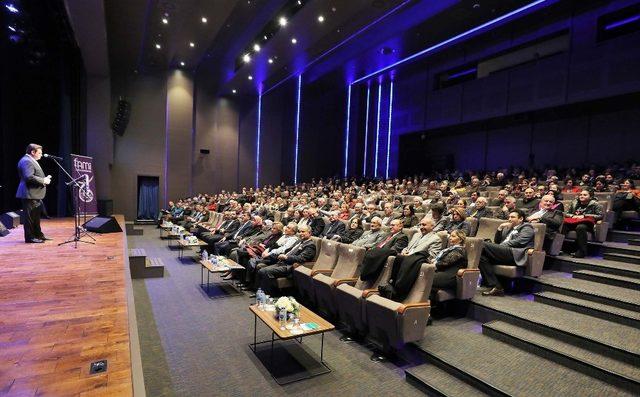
(62, 308)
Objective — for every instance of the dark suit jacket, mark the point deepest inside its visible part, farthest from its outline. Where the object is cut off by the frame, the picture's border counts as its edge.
(317, 226)
(232, 228)
(301, 253)
(335, 228)
(396, 244)
(553, 219)
(519, 243)
(31, 179)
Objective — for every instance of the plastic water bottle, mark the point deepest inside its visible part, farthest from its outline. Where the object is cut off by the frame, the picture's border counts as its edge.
(259, 298)
(214, 260)
(205, 255)
(282, 318)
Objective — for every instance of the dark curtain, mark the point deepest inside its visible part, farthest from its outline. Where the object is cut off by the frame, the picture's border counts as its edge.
(148, 198)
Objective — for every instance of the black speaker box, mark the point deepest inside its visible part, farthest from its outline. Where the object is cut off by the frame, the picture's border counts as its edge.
(101, 224)
(3, 230)
(10, 220)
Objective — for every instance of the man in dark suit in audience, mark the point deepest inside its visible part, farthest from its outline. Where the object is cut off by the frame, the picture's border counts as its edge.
(481, 210)
(336, 227)
(512, 241)
(231, 227)
(303, 251)
(230, 240)
(549, 216)
(529, 203)
(316, 223)
(375, 258)
(31, 191)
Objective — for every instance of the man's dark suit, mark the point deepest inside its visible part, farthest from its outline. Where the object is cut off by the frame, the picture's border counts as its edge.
(335, 228)
(224, 247)
(31, 191)
(317, 226)
(376, 257)
(229, 230)
(301, 252)
(509, 252)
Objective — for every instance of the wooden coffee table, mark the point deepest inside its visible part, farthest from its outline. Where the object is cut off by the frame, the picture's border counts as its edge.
(223, 266)
(306, 317)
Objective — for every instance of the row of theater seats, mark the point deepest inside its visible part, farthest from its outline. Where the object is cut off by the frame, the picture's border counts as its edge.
(332, 285)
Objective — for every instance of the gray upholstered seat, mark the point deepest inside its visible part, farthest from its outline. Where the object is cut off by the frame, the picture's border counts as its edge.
(466, 279)
(326, 260)
(350, 299)
(392, 324)
(346, 270)
(535, 260)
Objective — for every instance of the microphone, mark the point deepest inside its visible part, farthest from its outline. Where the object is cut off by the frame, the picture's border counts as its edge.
(52, 157)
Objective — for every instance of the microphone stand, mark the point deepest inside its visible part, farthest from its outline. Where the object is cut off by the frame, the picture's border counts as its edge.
(75, 187)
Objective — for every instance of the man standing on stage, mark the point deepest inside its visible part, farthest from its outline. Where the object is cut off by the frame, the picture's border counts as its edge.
(32, 189)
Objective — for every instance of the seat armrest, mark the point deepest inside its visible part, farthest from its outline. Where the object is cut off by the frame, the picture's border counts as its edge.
(535, 263)
(368, 292)
(350, 281)
(326, 272)
(600, 231)
(404, 307)
(467, 283)
(305, 264)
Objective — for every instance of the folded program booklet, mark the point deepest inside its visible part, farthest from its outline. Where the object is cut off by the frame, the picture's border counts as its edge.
(309, 326)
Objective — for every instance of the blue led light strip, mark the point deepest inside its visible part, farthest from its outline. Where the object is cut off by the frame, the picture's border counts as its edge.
(389, 129)
(366, 132)
(258, 132)
(623, 22)
(375, 170)
(346, 132)
(295, 169)
(452, 39)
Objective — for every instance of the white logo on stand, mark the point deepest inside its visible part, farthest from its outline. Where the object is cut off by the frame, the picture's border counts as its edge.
(84, 193)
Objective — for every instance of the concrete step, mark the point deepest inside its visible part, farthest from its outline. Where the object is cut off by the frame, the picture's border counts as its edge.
(622, 236)
(568, 264)
(613, 256)
(436, 381)
(610, 279)
(621, 248)
(634, 241)
(595, 334)
(576, 357)
(591, 308)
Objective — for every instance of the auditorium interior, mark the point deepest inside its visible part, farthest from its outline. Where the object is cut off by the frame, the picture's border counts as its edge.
(321, 197)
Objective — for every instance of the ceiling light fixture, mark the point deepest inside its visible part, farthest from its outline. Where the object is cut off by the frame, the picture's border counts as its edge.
(165, 21)
(294, 41)
(246, 58)
(11, 28)
(320, 18)
(158, 46)
(256, 48)
(192, 44)
(270, 60)
(12, 8)
(282, 21)
(204, 19)
(234, 91)
(250, 77)
(182, 63)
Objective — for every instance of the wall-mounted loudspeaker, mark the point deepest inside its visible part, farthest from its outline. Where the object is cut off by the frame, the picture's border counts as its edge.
(120, 122)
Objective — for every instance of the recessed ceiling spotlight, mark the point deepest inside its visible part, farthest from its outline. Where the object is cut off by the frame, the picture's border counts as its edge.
(11, 8)
(165, 20)
(192, 44)
(250, 77)
(270, 60)
(299, 2)
(320, 18)
(11, 28)
(294, 41)
(256, 48)
(334, 9)
(246, 58)
(282, 21)
(234, 91)
(158, 46)
(182, 63)
(204, 19)
(265, 37)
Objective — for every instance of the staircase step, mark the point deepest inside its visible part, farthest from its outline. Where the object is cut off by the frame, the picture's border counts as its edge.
(504, 369)
(576, 357)
(137, 252)
(621, 248)
(613, 256)
(600, 310)
(610, 279)
(154, 262)
(565, 263)
(585, 289)
(598, 335)
(622, 236)
(634, 241)
(438, 382)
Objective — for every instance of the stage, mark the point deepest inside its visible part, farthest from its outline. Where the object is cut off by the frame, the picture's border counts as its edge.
(62, 308)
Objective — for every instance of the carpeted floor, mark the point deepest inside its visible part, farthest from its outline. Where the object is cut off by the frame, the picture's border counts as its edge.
(196, 346)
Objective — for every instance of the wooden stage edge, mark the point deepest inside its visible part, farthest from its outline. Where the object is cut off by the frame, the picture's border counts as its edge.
(62, 308)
